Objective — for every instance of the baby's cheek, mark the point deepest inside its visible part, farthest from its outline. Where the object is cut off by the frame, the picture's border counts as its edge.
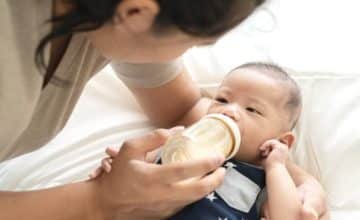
(247, 153)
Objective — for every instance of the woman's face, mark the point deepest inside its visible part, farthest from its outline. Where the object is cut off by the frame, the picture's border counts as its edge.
(130, 36)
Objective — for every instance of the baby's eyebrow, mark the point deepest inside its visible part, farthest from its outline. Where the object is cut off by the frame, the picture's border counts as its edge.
(260, 102)
(225, 90)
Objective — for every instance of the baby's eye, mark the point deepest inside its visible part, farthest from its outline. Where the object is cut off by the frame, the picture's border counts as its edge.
(253, 110)
(221, 100)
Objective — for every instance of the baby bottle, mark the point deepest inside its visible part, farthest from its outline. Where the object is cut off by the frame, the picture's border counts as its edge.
(213, 134)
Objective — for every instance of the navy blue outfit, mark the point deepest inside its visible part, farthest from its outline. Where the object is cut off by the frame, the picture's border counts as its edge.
(217, 207)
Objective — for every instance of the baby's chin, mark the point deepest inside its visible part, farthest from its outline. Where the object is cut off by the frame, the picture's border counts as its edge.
(247, 159)
(258, 163)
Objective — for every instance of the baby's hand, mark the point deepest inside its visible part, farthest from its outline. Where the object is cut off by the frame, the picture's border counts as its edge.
(105, 163)
(274, 152)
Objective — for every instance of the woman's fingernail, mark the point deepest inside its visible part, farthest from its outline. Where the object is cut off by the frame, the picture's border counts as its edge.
(176, 129)
(311, 211)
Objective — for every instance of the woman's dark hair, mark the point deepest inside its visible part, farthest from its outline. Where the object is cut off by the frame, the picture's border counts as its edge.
(202, 18)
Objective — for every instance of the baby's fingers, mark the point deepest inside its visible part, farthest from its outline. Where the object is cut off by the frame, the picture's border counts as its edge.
(269, 144)
(265, 152)
(112, 151)
(95, 173)
(106, 164)
(266, 148)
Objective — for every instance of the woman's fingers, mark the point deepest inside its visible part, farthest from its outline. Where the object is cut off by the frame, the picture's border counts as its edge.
(134, 183)
(204, 186)
(182, 182)
(170, 173)
(309, 213)
(150, 142)
(176, 129)
(185, 187)
(314, 200)
(325, 216)
(153, 155)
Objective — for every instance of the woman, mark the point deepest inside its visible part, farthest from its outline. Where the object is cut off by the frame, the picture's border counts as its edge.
(83, 37)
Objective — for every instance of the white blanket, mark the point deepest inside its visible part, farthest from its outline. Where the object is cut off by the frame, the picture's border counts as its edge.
(105, 115)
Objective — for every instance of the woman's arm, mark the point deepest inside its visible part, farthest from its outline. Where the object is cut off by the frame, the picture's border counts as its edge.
(313, 195)
(127, 192)
(70, 202)
(167, 104)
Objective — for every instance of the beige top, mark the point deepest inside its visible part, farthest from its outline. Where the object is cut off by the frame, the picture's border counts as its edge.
(30, 116)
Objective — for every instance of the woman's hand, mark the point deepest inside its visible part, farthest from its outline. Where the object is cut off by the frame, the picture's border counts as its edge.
(137, 189)
(313, 199)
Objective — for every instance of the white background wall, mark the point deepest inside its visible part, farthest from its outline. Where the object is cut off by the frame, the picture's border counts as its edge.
(305, 35)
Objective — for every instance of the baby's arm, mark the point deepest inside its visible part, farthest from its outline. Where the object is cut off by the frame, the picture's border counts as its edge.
(284, 202)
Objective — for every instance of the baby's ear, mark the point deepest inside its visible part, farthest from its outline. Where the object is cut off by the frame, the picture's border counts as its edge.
(287, 138)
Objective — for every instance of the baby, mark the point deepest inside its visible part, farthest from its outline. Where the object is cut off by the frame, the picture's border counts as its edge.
(265, 103)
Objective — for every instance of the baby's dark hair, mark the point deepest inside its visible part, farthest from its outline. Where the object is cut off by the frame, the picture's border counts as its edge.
(294, 102)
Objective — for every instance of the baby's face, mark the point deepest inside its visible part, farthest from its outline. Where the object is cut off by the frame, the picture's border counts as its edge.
(255, 102)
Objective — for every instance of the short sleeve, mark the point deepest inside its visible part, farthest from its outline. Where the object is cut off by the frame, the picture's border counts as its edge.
(149, 75)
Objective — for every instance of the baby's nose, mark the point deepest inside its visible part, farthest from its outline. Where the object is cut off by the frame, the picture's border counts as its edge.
(232, 112)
